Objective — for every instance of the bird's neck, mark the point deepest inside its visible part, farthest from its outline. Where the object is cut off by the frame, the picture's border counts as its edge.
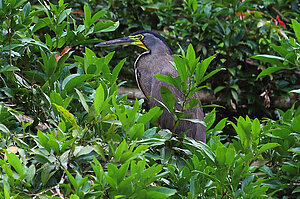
(160, 50)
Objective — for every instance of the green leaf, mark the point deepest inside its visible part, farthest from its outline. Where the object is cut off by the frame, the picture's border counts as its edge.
(74, 196)
(230, 155)
(82, 100)
(117, 70)
(169, 79)
(15, 162)
(31, 171)
(121, 148)
(148, 116)
(132, 114)
(42, 22)
(99, 99)
(296, 124)
(194, 121)
(122, 172)
(67, 115)
(19, 3)
(266, 147)
(295, 91)
(82, 150)
(106, 26)
(297, 189)
(74, 80)
(167, 97)
(190, 54)
(54, 144)
(210, 74)
(221, 155)
(202, 67)
(26, 9)
(195, 5)
(255, 129)
(72, 179)
(296, 27)
(43, 140)
(167, 191)
(136, 131)
(221, 124)
(193, 103)
(272, 59)
(210, 119)
(87, 17)
(4, 129)
(64, 15)
(269, 71)
(218, 89)
(8, 68)
(97, 16)
(181, 68)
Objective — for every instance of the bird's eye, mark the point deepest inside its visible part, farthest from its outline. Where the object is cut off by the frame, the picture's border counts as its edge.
(140, 37)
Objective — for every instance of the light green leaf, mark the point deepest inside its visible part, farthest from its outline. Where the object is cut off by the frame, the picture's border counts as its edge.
(99, 99)
(136, 131)
(202, 67)
(221, 155)
(230, 155)
(15, 162)
(190, 54)
(296, 27)
(148, 116)
(255, 129)
(117, 70)
(181, 68)
(97, 16)
(67, 115)
(87, 17)
(266, 147)
(296, 124)
(71, 179)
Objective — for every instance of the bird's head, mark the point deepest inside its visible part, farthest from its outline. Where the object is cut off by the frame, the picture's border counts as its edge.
(145, 39)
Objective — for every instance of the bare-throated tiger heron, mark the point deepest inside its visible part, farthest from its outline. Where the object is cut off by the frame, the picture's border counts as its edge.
(157, 60)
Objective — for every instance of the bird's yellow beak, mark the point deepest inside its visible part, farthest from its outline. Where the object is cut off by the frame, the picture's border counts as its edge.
(131, 40)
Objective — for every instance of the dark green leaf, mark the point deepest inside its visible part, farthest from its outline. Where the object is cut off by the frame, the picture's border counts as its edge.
(167, 97)
(269, 71)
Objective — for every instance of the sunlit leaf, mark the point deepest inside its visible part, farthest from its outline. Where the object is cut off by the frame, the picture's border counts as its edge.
(67, 115)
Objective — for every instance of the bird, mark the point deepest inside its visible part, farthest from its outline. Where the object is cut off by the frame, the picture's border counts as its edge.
(157, 59)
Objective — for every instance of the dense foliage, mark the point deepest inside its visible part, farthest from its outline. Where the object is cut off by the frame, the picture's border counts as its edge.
(67, 133)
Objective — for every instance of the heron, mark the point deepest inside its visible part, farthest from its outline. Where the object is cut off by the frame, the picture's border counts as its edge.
(157, 59)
